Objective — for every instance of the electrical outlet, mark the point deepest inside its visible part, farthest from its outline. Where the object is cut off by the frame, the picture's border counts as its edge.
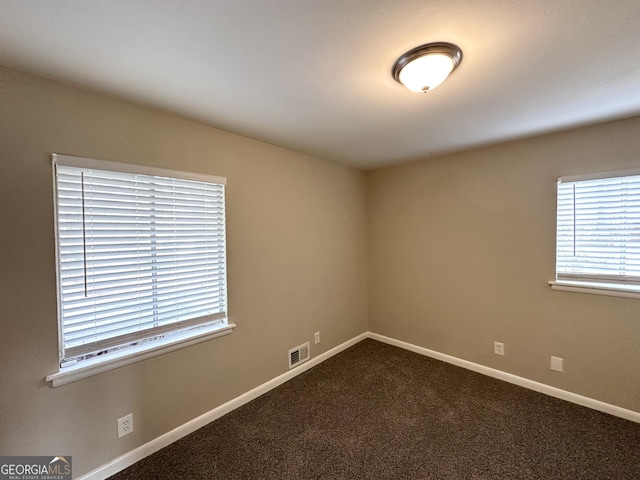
(498, 348)
(556, 364)
(316, 337)
(125, 425)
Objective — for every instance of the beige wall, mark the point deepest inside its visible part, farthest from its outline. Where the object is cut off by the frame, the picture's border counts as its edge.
(297, 264)
(461, 248)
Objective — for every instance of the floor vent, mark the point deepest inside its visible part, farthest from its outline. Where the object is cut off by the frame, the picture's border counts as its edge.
(298, 355)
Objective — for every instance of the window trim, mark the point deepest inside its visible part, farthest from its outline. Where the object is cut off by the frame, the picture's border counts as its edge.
(593, 288)
(135, 353)
(599, 176)
(84, 162)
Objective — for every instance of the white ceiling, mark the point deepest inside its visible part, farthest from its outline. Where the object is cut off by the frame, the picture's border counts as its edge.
(314, 75)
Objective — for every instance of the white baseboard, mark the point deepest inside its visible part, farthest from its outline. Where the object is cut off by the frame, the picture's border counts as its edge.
(129, 458)
(516, 380)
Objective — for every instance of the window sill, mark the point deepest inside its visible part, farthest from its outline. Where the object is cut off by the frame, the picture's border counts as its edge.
(593, 288)
(115, 360)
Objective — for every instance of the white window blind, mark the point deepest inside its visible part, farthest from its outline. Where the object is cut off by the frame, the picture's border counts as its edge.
(140, 256)
(598, 229)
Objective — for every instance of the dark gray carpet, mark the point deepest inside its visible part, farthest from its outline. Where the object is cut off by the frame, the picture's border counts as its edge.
(379, 412)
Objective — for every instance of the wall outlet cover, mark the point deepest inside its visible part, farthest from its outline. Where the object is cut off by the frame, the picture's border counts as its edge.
(556, 364)
(125, 425)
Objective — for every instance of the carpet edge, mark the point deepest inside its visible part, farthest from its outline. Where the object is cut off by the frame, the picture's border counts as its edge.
(566, 395)
(129, 458)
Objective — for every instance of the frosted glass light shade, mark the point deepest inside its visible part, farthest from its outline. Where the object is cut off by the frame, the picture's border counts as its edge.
(427, 66)
(426, 73)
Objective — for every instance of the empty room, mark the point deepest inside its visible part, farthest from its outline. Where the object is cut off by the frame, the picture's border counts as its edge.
(304, 239)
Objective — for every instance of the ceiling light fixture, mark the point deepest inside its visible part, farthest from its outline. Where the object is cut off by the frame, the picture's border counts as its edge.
(425, 67)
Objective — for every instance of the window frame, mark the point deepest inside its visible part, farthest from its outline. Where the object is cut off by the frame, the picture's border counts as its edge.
(617, 287)
(135, 350)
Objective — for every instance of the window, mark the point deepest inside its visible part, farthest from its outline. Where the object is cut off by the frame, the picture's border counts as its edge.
(598, 232)
(141, 259)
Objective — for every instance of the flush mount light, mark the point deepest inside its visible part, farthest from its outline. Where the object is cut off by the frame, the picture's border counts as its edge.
(425, 67)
